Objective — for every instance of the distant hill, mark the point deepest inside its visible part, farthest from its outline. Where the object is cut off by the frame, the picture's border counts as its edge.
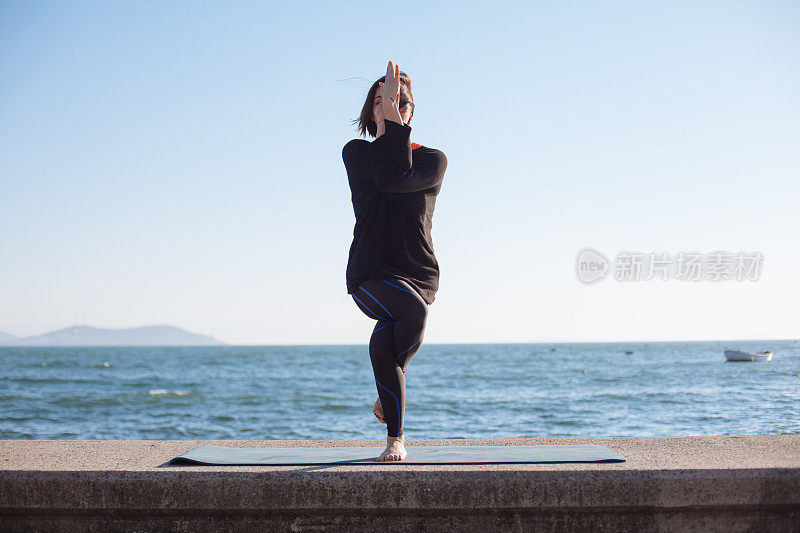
(89, 336)
(7, 337)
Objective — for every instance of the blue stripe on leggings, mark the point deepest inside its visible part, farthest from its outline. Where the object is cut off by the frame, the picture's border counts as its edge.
(399, 287)
(380, 328)
(395, 401)
(404, 351)
(371, 296)
(367, 307)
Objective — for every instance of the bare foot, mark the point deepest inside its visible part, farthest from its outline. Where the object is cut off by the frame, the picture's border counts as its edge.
(377, 409)
(395, 449)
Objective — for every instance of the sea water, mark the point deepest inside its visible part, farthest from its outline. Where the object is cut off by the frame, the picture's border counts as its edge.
(453, 391)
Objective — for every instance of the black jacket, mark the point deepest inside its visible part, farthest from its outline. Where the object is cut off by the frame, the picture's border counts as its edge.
(394, 191)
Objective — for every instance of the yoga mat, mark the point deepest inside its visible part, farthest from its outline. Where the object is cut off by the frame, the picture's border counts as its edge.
(210, 454)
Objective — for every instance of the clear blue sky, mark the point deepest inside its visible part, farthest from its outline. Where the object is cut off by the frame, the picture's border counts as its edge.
(180, 163)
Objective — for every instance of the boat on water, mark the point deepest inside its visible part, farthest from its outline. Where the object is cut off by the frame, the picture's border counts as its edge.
(739, 355)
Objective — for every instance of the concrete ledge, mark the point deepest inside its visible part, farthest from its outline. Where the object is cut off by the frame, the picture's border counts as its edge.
(725, 483)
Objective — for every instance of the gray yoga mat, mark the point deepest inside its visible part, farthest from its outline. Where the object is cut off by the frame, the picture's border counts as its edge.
(210, 454)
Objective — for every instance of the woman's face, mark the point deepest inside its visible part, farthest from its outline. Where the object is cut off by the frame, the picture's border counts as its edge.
(377, 109)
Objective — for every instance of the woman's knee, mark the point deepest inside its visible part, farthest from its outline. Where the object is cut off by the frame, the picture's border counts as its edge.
(417, 314)
(396, 299)
(422, 311)
(362, 307)
(419, 308)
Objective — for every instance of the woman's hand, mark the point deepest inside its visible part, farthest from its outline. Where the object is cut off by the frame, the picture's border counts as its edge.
(390, 94)
(390, 89)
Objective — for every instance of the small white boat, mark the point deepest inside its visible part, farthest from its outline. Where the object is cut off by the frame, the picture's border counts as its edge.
(739, 355)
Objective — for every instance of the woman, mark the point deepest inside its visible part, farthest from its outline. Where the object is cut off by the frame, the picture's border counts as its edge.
(392, 272)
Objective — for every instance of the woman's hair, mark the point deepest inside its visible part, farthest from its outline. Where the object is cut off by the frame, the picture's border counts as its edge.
(365, 122)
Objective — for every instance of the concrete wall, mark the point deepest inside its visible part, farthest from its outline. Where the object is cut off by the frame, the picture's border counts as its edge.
(725, 483)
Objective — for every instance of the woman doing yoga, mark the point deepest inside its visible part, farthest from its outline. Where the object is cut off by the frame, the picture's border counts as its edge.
(392, 272)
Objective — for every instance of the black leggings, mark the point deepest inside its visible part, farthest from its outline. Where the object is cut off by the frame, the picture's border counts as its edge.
(401, 314)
